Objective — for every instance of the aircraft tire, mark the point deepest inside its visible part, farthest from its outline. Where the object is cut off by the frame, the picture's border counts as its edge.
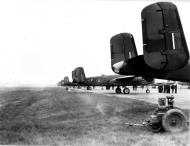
(147, 91)
(174, 121)
(118, 90)
(88, 88)
(126, 90)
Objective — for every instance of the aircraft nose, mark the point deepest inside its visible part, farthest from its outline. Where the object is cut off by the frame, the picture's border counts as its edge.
(117, 66)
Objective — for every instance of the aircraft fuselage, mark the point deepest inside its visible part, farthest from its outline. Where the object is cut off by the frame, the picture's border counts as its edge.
(137, 66)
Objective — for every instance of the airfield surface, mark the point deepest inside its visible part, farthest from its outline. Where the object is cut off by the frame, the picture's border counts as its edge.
(54, 116)
(182, 98)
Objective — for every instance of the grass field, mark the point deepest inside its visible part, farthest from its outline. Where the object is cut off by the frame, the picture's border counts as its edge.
(53, 116)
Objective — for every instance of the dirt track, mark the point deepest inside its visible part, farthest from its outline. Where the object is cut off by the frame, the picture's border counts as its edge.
(55, 116)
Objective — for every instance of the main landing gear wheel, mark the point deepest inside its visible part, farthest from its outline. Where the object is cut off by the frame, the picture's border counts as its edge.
(126, 90)
(147, 91)
(88, 88)
(118, 90)
(174, 121)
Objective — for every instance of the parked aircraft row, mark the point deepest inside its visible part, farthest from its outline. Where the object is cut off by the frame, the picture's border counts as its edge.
(165, 53)
(79, 79)
(165, 56)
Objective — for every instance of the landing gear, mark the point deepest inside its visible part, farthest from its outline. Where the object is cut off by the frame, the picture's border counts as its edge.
(88, 88)
(147, 90)
(79, 87)
(118, 90)
(107, 87)
(126, 90)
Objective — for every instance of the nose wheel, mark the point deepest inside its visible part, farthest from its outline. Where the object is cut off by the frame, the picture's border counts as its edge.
(147, 91)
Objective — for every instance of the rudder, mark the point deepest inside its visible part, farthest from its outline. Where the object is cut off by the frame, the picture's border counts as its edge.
(164, 43)
(66, 80)
(122, 48)
(78, 75)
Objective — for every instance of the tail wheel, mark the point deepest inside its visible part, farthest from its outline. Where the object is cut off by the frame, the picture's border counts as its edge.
(118, 90)
(126, 90)
(174, 120)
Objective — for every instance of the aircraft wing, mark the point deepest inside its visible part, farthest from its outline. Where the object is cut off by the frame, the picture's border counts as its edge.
(129, 81)
(124, 78)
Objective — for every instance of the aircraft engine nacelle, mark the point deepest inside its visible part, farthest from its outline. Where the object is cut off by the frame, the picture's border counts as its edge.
(78, 75)
(122, 48)
(164, 43)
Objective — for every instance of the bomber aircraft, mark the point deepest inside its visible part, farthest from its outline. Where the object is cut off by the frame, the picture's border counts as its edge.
(66, 82)
(165, 52)
(165, 56)
(79, 78)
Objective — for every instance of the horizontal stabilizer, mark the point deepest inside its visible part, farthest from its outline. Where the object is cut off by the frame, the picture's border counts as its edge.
(122, 48)
(164, 43)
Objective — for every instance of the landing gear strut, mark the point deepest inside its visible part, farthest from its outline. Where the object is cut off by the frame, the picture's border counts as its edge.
(88, 88)
(147, 90)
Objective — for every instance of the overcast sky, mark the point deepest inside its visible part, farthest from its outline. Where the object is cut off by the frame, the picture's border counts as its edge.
(42, 41)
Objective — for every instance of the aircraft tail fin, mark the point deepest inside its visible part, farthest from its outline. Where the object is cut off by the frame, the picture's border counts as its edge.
(78, 75)
(164, 43)
(66, 80)
(122, 48)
